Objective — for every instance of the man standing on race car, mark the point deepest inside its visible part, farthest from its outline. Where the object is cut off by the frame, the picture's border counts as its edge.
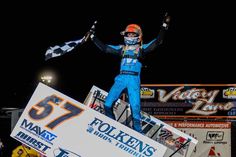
(130, 67)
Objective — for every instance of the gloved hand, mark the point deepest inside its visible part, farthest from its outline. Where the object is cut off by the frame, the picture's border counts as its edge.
(86, 36)
(92, 33)
(166, 21)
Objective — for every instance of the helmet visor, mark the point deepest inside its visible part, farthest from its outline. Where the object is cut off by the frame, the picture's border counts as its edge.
(131, 34)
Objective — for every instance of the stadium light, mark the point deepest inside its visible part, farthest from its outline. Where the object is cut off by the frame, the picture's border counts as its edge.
(48, 77)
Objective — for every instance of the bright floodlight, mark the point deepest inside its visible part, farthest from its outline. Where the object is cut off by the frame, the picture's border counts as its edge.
(48, 77)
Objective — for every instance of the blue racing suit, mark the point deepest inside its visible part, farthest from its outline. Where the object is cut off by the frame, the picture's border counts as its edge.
(129, 76)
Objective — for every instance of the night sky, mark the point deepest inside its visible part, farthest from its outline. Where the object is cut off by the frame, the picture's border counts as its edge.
(198, 47)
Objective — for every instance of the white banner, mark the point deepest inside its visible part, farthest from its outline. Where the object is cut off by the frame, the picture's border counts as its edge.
(178, 143)
(214, 138)
(58, 126)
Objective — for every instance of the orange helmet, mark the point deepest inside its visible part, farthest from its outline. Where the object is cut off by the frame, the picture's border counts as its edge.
(133, 28)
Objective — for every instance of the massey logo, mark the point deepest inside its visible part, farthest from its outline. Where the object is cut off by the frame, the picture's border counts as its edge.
(64, 153)
(215, 135)
(229, 93)
(38, 131)
(147, 93)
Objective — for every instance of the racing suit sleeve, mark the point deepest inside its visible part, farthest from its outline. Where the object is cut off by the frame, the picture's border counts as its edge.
(152, 45)
(114, 49)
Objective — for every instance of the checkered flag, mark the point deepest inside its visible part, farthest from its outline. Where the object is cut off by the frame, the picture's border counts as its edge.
(66, 47)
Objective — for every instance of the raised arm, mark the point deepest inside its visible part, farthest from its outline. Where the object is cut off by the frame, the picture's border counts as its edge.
(157, 41)
(106, 48)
